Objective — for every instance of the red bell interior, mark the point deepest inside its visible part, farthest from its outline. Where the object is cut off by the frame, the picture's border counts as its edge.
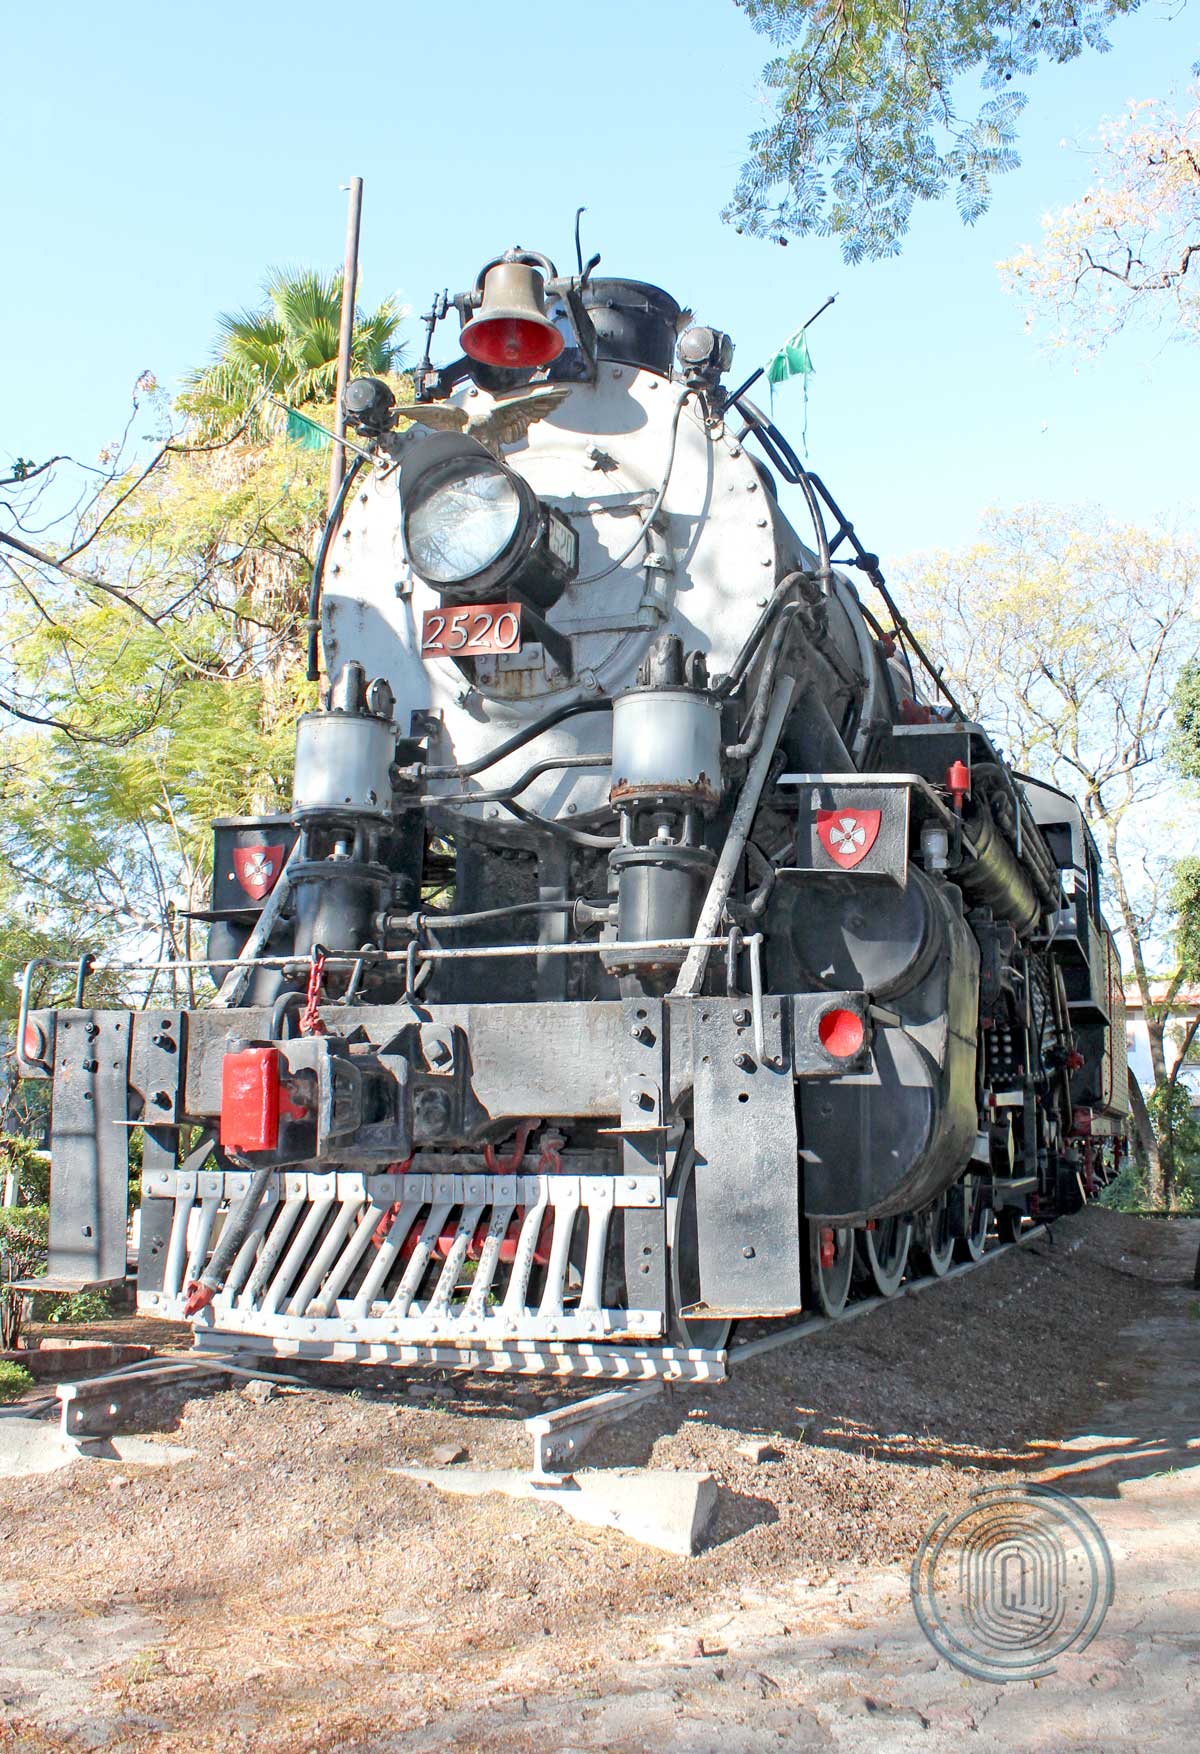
(511, 341)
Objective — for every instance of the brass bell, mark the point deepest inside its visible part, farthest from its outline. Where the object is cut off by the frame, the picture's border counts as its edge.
(512, 328)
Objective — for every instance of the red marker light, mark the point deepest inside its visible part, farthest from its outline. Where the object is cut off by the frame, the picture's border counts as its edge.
(33, 1042)
(841, 1033)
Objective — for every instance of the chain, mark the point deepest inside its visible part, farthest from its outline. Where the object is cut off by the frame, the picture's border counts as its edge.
(310, 1017)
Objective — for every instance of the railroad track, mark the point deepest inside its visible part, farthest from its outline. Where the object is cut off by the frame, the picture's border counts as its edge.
(560, 1435)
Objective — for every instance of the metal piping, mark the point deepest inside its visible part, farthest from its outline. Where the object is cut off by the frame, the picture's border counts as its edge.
(691, 975)
(467, 770)
(318, 573)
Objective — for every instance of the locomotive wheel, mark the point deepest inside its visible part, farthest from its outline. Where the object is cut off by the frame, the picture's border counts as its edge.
(933, 1237)
(831, 1265)
(684, 1257)
(883, 1253)
(978, 1218)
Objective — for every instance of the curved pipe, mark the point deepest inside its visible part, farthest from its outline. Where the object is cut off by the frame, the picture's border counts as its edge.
(753, 729)
(577, 836)
(745, 657)
(781, 454)
(318, 573)
(866, 657)
(503, 793)
(468, 769)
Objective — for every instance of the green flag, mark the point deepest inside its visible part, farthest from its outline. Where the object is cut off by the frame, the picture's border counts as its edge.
(792, 360)
(309, 434)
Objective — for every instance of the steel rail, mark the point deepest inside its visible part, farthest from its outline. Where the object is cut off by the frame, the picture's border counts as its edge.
(560, 1434)
(818, 1324)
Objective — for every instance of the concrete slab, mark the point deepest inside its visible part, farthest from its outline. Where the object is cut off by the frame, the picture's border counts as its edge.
(673, 1511)
(30, 1446)
(35, 1446)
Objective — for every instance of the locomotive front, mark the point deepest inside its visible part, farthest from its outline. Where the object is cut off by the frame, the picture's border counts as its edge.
(636, 929)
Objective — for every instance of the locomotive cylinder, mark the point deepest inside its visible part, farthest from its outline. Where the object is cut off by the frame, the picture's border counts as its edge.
(335, 902)
(666, 749)
(660, 890)
(343, 765)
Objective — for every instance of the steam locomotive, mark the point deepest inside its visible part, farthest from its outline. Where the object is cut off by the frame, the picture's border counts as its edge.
(652, 944)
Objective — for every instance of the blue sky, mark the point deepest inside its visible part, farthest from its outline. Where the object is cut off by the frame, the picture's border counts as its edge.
(158, 158)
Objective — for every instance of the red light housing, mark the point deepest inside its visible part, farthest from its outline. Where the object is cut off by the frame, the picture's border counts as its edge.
(841, 1033)
(33, 1042)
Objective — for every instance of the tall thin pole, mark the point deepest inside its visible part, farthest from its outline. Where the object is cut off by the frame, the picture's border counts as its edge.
(337, 461)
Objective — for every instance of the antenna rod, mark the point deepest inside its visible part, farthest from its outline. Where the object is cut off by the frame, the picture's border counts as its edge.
(337, 462)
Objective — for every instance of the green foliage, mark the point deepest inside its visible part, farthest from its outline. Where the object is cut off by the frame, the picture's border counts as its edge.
(24, 1239)
(31, 1166)
(1170, 1108)
(884, 103)
(14, 1380)
(170, 689)
(289, 345)
(1184, 749)
(1185, 906)
(81, 1307)
(1129, 1190)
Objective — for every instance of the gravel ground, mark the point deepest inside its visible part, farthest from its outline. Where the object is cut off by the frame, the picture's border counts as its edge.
(283, 1589)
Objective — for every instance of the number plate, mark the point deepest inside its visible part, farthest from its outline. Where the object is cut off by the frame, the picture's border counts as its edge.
(471, 630)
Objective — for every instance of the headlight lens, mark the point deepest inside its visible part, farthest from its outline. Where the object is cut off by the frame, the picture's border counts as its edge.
(462, 524)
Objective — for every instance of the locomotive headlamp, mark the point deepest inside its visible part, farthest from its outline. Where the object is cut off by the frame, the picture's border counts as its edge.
(474, 529)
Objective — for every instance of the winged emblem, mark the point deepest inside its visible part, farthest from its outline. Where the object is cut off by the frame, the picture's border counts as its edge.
(504, 422)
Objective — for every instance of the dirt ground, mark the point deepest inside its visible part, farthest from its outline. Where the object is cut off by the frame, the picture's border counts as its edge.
(282, 1590)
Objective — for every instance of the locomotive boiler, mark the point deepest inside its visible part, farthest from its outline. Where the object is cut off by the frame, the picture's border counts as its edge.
(652, 943)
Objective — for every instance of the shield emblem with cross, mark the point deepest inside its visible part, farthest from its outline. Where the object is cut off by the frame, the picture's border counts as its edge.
(847, 834)
(257, 869)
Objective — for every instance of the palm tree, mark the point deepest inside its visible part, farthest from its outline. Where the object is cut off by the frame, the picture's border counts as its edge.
(288, 346)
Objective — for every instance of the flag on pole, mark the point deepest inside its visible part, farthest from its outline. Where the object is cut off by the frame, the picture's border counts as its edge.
(310, 435)
(792, 360)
